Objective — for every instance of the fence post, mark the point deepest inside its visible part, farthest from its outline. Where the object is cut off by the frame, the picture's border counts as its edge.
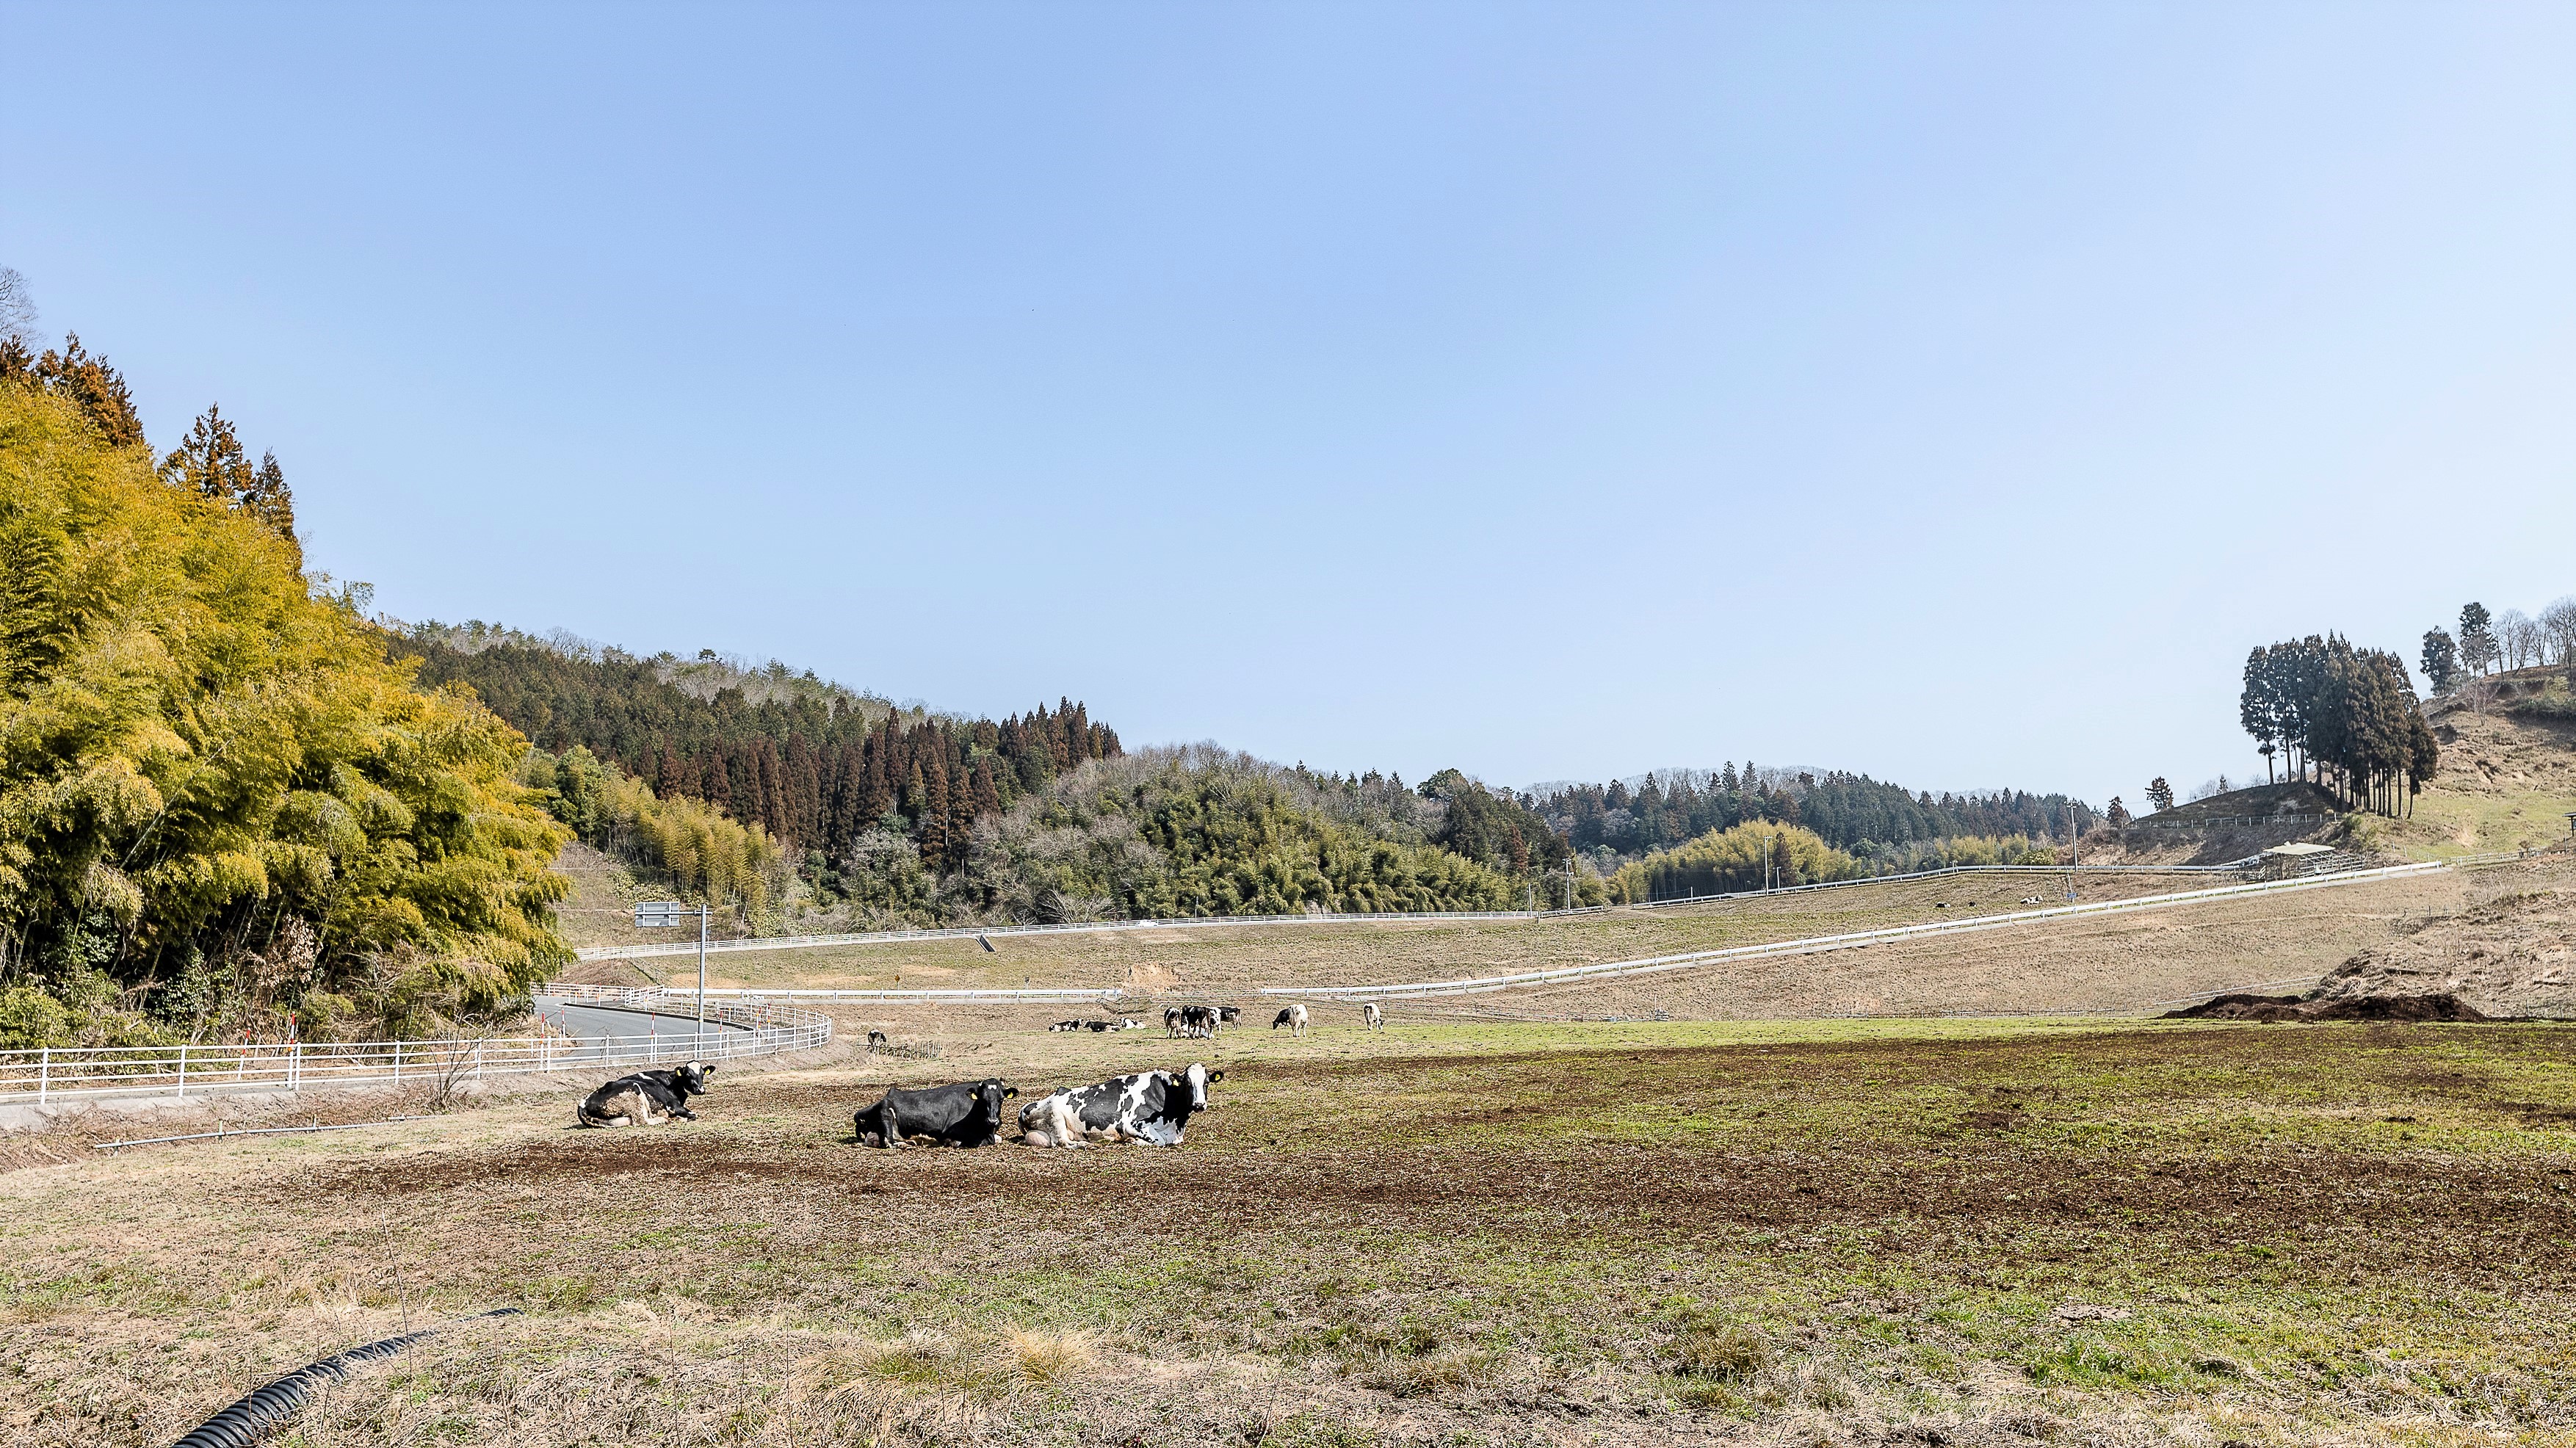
(44, 1073)
(295, 1066)
(397, 1061)
(183, 1070)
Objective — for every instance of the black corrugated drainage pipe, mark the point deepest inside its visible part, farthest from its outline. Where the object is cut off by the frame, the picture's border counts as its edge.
(268, 1408)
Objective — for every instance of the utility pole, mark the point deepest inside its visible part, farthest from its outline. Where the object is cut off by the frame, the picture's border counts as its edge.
(662, 915)
(2074, 849)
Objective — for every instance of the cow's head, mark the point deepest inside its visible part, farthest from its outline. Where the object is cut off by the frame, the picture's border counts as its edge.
(1199, 1078)
(691, 1079)
(990, 1093)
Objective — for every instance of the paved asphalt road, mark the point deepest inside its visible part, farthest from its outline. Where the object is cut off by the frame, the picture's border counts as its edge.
(590, 1022)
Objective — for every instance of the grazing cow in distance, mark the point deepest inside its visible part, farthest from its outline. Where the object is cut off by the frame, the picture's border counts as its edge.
(1294, 1018)
(968, 1114)
(1130, 1023)
(1171, 1020)
(1100, 1025)
(877, 1041)
(647, 1098)
(1228, 1015)
(1189, 1020)
(1153, 1107)
(1372, 1017)
(1066, 1026)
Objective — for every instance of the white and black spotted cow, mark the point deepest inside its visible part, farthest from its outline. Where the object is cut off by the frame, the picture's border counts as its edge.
(1371, 1017)
(1153, 1107)
(1194, 1021)
(966, 1114)
(1293, 1017)
(647, 1098)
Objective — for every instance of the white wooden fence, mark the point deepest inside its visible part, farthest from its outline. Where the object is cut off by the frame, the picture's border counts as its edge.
(1381, 917)
(1819, 944)
(57, 1073)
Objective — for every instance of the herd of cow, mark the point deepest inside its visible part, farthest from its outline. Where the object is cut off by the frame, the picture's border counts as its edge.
(1204, 1022)
(1153, 1107)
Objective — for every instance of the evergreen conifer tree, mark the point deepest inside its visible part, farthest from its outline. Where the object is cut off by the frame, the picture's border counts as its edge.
(2477, 638)
(87, 382)
(2441, 660)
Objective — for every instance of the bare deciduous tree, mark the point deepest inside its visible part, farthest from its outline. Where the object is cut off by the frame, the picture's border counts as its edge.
(2518, 638)
(17, 308)
(2558, 621)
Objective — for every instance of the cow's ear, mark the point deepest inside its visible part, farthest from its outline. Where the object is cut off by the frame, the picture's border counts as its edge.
(1010, 1091)
(1215, 1076)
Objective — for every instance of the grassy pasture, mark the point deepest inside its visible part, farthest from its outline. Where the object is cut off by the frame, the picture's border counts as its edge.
(2122, 962)
(1456, 1233)
(1222, 957)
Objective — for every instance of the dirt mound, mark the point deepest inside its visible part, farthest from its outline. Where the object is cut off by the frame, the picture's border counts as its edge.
(2269, 1009)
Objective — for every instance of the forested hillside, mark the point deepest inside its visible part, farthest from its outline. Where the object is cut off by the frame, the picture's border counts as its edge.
(814, 766)
(1851, 812)
(1178, 832)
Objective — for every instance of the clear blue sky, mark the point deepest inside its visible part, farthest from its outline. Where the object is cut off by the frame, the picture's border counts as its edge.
(1950, 392)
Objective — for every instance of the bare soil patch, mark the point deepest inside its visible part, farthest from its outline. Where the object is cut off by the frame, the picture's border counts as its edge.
(2299, 1233)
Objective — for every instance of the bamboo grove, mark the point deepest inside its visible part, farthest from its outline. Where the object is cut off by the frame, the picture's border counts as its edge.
(219, 801)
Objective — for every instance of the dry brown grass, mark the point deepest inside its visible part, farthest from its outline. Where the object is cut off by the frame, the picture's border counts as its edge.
(1504, 1234)
(1457, 1230)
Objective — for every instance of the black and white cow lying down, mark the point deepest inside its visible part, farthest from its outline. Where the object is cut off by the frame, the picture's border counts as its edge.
(1153, 1107)
(966, 1114)
(647, 1098)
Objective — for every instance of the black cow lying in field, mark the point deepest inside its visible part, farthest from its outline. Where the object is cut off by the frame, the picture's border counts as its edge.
(647, 1098)
(966, 1114)
(1153, 1107)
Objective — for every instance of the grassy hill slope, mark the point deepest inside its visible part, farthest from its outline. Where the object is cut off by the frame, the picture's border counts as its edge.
(2508, 772)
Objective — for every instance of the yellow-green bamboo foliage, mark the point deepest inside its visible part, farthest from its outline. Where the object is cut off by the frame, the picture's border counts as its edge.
(1734, 859)
(1985, 850)
(195, 750)
(684, 843)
